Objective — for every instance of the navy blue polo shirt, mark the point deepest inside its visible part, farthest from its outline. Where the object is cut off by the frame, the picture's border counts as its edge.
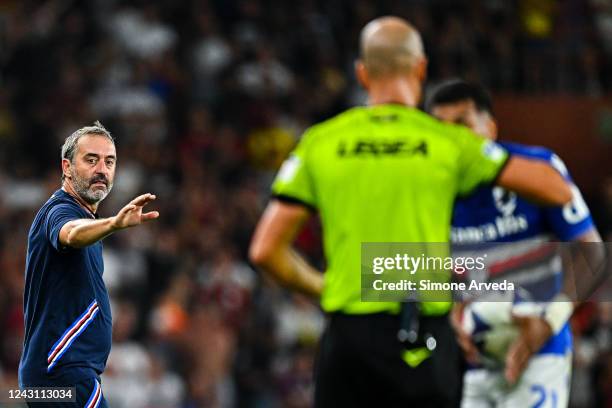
(67, 312)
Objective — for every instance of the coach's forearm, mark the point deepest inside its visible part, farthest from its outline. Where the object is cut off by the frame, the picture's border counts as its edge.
(81, 233)
(291, 270)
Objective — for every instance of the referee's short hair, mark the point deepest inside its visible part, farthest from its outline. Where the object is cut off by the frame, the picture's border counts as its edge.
(70, 144)
(455, 90)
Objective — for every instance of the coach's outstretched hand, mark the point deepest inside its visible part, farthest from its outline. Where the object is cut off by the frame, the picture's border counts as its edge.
(80, 233)
(132, 214)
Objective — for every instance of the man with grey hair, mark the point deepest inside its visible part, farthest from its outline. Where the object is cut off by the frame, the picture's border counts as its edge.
(66, 307)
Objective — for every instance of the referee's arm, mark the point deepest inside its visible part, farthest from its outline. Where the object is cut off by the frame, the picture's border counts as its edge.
(271, 248)
(535, 180)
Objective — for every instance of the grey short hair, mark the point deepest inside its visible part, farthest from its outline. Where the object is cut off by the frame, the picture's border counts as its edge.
(70, 144)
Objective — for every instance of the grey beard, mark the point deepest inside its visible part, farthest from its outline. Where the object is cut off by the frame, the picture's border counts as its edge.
(83, 188)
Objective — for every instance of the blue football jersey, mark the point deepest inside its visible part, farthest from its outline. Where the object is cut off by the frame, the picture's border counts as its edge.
(494, 215)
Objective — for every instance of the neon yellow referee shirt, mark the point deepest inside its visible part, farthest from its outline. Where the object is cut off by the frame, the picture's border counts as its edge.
(383, 173)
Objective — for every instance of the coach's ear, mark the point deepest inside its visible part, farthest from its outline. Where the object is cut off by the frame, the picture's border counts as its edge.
(66, 168)
(362, 74)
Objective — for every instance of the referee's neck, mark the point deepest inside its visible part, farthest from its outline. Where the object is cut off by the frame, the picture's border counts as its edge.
(397, 90)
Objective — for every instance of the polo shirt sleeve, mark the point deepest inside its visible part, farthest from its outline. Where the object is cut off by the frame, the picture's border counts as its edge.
(56, 218)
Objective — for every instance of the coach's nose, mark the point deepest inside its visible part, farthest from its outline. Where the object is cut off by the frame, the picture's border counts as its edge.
(102, 169)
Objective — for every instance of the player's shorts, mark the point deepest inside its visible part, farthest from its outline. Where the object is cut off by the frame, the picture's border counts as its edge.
(360, 364)
(88, 395)
(544, 383)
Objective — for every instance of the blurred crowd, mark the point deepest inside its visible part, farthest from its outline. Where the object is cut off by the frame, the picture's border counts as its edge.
(206, 98)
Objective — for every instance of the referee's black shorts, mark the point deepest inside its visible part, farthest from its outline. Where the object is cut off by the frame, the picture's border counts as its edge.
(360, 364)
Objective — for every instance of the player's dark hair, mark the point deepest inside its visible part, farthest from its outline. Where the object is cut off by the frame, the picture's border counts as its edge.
(456, 90)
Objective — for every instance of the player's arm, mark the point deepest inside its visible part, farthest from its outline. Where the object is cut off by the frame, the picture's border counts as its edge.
(470, 352)
(592, 235)
(271, 248)
(83, 232)
(535, 180)
(580, 267)
(535, 331)
(585, 259)
(583, 266)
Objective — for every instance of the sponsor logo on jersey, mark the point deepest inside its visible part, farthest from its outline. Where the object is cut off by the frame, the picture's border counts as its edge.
(503, 226)
(381, 148)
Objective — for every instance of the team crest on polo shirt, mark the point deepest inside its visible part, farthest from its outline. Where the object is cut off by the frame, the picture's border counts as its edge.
(505, 201)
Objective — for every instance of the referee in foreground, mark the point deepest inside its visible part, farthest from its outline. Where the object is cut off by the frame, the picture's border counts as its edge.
(67, 311)
(383, 173)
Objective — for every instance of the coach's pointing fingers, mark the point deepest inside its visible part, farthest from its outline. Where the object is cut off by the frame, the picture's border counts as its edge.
(132, 214)
(143, 199)
(125, 210)
(149, 216)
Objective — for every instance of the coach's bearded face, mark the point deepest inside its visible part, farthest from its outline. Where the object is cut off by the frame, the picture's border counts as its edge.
(91, 189)
(91, 170)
